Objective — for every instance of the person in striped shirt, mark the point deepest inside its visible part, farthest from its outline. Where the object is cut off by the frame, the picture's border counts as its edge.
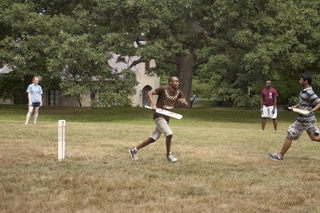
(308, 100)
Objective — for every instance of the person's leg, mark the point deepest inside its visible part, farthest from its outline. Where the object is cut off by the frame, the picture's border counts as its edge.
(286, 145)
(275, 124)
(279, 156)
(164, 128)
(36, 114)
(264, 116)
(145, 143)
(274, 117)
(293, 133)
(313, 132)
(168, 143)
(316, 138)
(264, 121)
(29, 114)
(154, 136)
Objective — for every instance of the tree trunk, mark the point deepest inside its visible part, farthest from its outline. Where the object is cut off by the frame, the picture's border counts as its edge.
(185, 68)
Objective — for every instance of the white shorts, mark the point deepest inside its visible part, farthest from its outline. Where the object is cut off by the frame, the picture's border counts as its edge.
(162, 126)
(267, 112)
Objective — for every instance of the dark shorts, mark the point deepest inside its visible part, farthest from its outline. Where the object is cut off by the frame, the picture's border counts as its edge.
(36, 104)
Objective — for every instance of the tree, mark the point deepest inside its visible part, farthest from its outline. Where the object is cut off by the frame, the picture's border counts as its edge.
(239, 44)
(231, 45)
(171, 34)
(67, 41)
(261, 40)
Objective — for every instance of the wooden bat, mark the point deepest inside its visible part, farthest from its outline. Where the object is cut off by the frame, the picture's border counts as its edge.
(166, 112)
(300, 111)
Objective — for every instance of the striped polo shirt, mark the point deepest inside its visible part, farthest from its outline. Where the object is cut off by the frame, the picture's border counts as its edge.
(307, 101)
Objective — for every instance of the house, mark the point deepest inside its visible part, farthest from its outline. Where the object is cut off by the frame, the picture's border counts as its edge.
(145, 82)
(53, 96)
(4, 69)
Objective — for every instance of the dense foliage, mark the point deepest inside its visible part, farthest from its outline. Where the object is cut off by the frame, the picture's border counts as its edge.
(229, 47)
(63, 42)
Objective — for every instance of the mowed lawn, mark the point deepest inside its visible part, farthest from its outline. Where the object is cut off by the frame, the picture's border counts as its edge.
(222, 163)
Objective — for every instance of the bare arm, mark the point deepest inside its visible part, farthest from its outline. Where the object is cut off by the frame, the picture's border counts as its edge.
(295, 106)
(274, 104)
(184, 102)
(261, 102)
(315, 108)
(151, 93)
(29, 99)
(40, 100)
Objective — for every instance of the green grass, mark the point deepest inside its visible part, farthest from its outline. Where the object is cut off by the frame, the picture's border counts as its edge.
(222, 163)
(136, 114)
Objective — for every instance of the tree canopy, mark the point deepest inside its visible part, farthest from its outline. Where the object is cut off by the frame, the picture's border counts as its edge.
(229, 45)
(261, 40)
(64, 43)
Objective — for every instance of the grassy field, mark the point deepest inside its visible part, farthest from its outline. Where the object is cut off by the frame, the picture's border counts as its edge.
(222, 163)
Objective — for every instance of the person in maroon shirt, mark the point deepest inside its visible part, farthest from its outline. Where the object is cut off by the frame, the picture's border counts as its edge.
(269, 105)
(168, 96)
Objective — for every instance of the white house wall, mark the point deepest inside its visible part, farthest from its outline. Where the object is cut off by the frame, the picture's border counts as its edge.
(9, 101)
(144, 80)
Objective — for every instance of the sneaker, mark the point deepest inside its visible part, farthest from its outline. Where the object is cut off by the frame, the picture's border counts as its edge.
(171, 158)
(275, 156)
(133, 153)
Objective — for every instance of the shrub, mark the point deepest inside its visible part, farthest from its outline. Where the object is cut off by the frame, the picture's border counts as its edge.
(293, 100)
(246, 102)
(242, 101)
(255, 102)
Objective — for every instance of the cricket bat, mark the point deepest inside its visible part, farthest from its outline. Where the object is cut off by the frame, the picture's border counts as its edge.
(300, 111)
(166, 112)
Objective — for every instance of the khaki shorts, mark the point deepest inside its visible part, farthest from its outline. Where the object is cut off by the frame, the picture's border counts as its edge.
(297, 128)
(267, 112)
(161, 127)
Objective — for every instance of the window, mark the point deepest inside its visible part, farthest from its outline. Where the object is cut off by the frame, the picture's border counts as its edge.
(53, 97)
(145, 97)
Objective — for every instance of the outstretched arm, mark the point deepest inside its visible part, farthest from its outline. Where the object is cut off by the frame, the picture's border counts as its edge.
(184, 102)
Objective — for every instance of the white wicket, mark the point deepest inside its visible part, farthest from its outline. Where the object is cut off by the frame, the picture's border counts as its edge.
(61, 139)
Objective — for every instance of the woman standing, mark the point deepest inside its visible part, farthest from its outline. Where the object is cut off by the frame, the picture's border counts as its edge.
(35, 99)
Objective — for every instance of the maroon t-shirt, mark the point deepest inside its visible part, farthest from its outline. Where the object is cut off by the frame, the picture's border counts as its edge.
(268, 96)
(166, 100)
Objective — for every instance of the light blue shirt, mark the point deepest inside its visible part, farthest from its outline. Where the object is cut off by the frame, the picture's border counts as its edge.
(35, 92)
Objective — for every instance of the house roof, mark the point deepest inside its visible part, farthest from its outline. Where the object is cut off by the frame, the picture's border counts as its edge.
(5, 70)
(116, 64)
